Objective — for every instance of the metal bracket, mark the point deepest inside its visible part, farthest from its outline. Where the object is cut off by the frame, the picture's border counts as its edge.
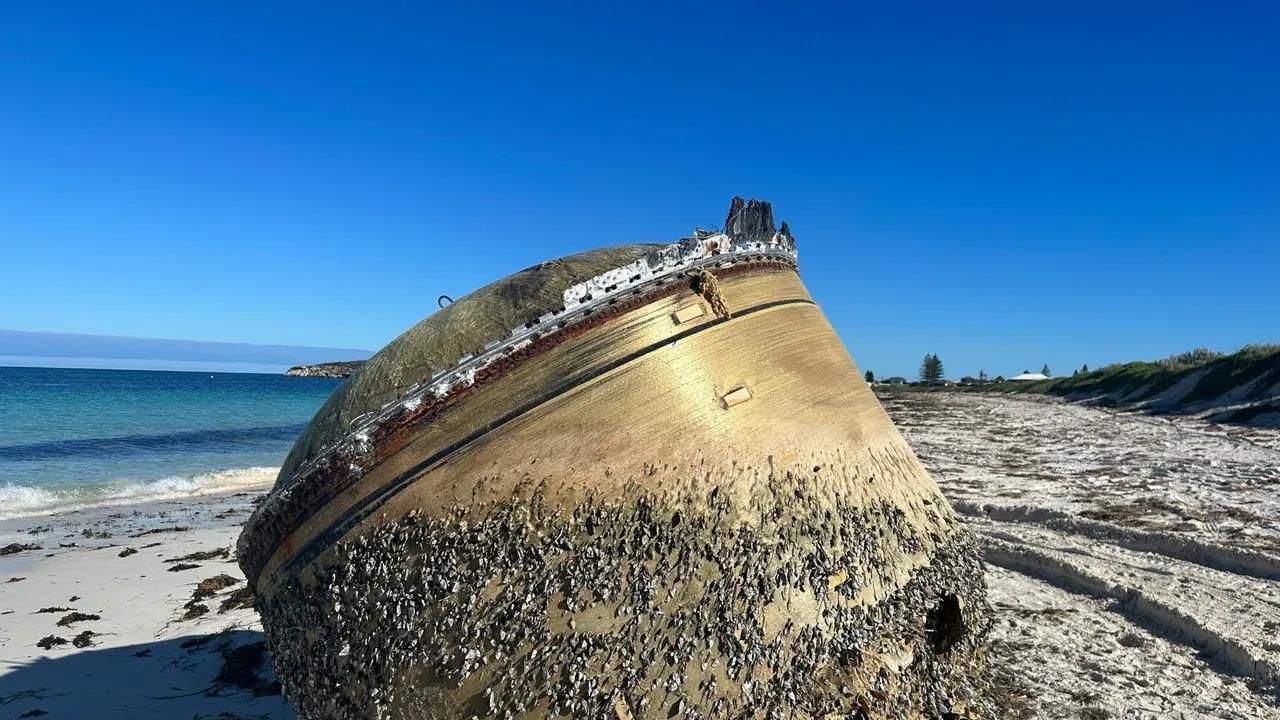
(736, 396)
(687, 313)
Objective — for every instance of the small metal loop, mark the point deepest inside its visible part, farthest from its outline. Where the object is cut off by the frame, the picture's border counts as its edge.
(441, 301)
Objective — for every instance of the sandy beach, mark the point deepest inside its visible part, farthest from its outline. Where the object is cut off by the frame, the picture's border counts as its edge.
(132, 611)
(1132, 560)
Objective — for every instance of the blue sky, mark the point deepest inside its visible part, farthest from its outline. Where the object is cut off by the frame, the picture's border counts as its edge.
(1002, 184)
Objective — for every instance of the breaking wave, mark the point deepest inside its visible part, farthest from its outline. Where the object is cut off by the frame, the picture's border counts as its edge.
(27, 500)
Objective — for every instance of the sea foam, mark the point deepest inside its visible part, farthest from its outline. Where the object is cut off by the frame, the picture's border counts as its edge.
(25, 500)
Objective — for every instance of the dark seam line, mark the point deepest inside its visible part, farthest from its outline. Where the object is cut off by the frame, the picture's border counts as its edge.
(370, 503)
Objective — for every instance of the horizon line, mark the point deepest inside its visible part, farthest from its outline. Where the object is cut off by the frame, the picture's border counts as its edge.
(107, 336)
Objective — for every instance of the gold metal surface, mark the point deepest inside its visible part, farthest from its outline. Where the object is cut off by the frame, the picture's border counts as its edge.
(627, 334)
(665, 407)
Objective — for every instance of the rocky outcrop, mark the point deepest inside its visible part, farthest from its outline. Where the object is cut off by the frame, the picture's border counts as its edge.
(339, 369)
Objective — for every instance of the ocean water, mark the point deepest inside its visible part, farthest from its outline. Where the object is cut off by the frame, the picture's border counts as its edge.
(76, 437)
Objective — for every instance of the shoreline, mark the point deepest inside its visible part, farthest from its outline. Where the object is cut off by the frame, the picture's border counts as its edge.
(195, 511)
(128, 610)
(54, 500)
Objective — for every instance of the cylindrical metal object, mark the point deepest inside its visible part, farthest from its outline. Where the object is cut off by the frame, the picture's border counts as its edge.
(654, 484)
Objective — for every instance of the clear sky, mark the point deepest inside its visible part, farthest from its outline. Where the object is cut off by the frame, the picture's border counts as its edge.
(1002, 184)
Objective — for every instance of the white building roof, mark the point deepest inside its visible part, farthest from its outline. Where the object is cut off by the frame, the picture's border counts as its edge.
(1030, 376)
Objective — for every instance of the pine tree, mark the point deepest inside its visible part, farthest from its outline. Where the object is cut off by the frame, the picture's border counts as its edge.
(870, 377)
(931, 368)
(1045, 370)
(1085, 369)
(982, 375)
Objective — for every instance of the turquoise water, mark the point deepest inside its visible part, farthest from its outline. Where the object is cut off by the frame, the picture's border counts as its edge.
(74, 436)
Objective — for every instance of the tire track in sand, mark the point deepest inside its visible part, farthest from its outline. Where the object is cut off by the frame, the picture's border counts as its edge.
(1231, 617)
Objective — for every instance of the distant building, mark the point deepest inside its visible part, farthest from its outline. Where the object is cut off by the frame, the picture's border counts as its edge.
(895, 381)
(1027, 376)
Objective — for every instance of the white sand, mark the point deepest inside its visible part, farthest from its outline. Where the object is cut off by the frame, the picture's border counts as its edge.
(137, 665)
(1134, 561)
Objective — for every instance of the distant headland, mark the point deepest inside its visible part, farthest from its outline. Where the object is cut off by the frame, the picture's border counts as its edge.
(340, 369)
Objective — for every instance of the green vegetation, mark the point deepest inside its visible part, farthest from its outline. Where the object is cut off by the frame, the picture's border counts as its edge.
(1192, 381)
(1248, 373)
(1191, 358)
(931, 368)
(1256, 366)
(1206, 376)
(1147, 378)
